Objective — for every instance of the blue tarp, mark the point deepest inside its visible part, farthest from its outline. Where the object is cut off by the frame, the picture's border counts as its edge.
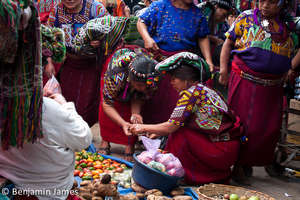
(124, 191)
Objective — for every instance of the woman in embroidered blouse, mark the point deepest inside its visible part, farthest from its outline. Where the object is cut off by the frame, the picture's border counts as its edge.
(79, 76)
(129, 81)
(203, 132)
(168, 27)
(262, 57)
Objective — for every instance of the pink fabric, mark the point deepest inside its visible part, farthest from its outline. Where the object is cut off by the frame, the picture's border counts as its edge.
(80, 83)
(203, 161)
(260, 110)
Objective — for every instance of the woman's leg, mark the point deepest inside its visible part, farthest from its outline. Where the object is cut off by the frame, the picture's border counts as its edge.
(104, 148)
(129, 151)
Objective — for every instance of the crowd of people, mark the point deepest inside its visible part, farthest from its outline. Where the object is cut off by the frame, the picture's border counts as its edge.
(143, 68)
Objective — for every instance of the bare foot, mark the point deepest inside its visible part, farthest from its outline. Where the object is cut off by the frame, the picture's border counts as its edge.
(104, 148)
(128, 154)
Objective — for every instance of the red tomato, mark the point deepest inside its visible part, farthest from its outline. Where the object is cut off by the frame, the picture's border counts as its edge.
(81, 174)
(82, 161)
(76, 172)
(119, 170)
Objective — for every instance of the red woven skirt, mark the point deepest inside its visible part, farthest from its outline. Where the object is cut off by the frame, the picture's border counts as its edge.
(204, 161)
(260, 110)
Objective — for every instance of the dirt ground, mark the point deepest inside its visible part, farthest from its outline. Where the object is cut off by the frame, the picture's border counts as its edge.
(279, 188)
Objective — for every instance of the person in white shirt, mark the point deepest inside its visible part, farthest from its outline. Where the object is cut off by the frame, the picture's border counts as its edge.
(47, 166)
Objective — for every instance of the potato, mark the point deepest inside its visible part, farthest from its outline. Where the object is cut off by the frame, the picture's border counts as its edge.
(106, 178)
(153, 197)
(140, 195)
(177, 191)
(83, 183)
(106, 190)
(129, 197)
(97, 198)
(135, 187)
(155, 192)
(84, 190)
(182, 197)
(86, 196)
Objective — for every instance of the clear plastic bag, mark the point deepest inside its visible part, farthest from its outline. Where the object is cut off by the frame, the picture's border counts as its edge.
(52, 87)
(153, 156)
(152, 150)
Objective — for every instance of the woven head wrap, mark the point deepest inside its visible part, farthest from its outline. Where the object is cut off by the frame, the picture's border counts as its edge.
(179, 59)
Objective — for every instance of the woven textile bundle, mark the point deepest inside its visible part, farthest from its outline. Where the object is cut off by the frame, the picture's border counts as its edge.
(107, 29)
(20, 76)
(53, 44)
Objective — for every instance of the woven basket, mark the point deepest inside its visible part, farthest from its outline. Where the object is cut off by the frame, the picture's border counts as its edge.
(216, 192)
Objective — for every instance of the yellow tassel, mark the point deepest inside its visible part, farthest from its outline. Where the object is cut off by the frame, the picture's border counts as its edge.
(106, 48)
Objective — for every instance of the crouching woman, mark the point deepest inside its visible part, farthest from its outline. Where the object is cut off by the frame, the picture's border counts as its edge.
(203, 133)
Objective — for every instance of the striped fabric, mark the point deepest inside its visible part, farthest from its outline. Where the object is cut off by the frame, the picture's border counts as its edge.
(20, 79)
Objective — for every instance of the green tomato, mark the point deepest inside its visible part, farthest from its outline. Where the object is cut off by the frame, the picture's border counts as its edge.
(83, 165)
(254, 198)
(234, 197)
(101, 158)
(86, 178)
(77, 158)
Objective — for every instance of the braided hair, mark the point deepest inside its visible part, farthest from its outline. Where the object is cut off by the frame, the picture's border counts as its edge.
(142, 68)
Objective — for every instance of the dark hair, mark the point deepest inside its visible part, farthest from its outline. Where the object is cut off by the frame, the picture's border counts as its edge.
(187, 72)
(143, 65)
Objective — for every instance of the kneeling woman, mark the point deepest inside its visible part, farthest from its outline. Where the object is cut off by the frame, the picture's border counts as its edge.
(203, 132)
(130, 79)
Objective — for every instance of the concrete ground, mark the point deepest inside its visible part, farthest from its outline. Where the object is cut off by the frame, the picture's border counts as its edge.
(279, 188)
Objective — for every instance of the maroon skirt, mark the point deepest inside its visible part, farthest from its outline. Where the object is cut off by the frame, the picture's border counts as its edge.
(203, 161)
(260, 110)
(80, 83)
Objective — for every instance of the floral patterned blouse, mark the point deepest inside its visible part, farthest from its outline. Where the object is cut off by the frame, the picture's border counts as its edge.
(174, 29)
(201, 108)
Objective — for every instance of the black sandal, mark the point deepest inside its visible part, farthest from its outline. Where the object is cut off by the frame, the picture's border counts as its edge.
(104, 149)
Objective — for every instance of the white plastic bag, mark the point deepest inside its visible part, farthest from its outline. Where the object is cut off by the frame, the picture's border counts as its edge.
(52, 87)
(152, 149)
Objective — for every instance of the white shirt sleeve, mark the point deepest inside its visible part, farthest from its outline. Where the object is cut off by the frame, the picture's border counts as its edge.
(64, 126)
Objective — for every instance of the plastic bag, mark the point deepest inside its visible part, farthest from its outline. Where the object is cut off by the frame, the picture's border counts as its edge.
(52, 87)
(172, 164)
(152, 149)
(156, 165)
(163, 162)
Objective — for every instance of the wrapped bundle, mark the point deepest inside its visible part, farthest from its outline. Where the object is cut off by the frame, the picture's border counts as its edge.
(107, 29)
(53, 44)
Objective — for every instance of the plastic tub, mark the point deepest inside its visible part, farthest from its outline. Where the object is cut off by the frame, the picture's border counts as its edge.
(153, 179)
